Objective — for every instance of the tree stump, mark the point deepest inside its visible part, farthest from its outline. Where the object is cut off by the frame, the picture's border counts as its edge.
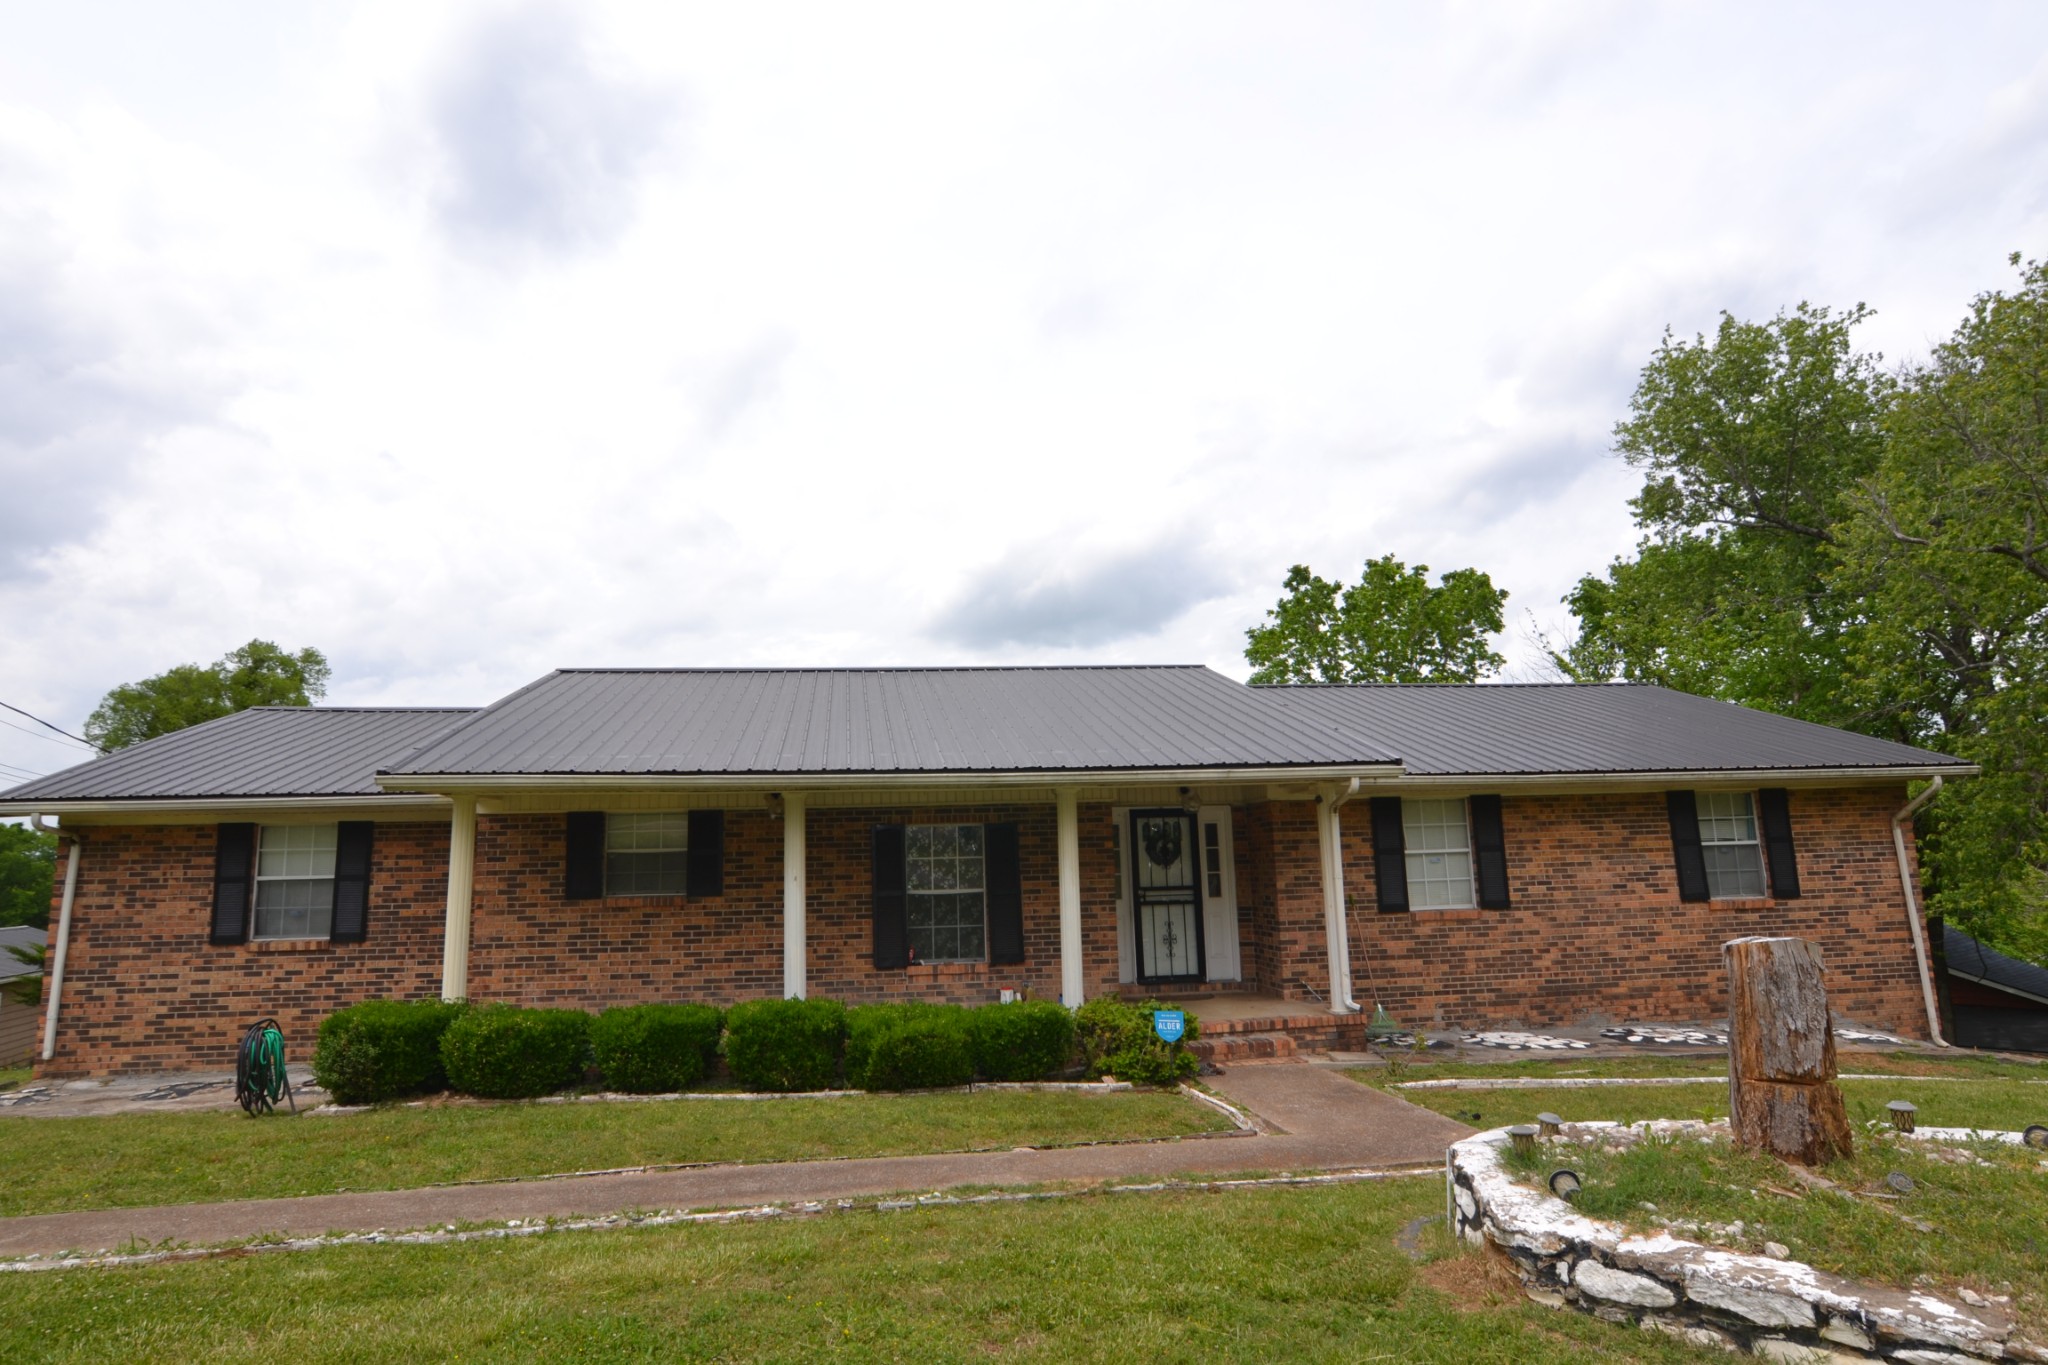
(1782, 1096)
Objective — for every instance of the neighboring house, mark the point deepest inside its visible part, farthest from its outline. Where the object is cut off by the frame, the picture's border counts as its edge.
(17, 1021)
(1467, 856)
(1995, 1001)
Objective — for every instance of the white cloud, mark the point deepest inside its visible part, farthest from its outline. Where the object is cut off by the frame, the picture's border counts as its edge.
(855, 334)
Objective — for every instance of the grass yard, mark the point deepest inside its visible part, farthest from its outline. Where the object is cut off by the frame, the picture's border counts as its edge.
(10, 1077)
(135, 1159)
(1303, 1274)
(1987, 1216)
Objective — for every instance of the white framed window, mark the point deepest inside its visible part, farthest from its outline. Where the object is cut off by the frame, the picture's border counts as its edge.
(295, 881)
(948, 910)
(1439, 848)
(1728, 844)
(647, 853)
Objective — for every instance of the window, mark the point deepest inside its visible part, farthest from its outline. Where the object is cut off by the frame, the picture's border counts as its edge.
(1735, 865)
(1212, 858)
(295, 881)
(948, 902)
(647, 854)
(1439, 854)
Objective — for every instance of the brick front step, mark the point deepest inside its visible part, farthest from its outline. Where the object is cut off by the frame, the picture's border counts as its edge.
(1245, 1047)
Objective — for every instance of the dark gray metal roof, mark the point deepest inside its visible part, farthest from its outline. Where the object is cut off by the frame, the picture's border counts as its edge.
(19, 936)
(1509, 729)
(1968, 958)
(936, 720)
(265, 752)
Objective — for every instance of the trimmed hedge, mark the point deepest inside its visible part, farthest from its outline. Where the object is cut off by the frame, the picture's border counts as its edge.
(1025, 1041)
(382, 1050)
(504, 1053)
(785, 1044)
(656, 1049)
(1117, 1040)
(910, 1046)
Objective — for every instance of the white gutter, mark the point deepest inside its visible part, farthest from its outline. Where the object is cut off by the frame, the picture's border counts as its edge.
(63, 931)
(1751, 777)
(1335, 929)
(1906, 812)
(401, 802)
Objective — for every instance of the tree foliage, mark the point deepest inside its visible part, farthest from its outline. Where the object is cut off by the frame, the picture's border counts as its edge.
(257, 674)
(1829, 541)
(1391, 626)
(28, 864)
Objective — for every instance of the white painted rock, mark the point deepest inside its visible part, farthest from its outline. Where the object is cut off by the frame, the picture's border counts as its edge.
(1759, 1306)
(1618, 1286)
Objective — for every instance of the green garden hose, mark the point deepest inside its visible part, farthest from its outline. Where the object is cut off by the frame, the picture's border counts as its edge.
(260, 1080)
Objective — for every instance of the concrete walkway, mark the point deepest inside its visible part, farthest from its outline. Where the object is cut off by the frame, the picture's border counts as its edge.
(1317, 1120)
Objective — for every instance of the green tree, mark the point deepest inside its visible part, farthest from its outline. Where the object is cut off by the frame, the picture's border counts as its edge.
(257, 674)
(1391, 626)
(28, 990)
(1752, 445)
(28, 863)
(1948, 547)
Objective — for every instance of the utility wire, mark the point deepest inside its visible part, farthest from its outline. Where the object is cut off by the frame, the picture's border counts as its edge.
(47, 726)
(35, 734)
(9, 770)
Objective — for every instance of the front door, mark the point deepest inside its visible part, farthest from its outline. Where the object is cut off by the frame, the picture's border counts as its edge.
(1166, 895)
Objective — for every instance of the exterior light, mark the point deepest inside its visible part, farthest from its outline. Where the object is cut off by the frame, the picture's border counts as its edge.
(774, 805)
(1565, 1185)
(2036, 1136)
(1898, 1182)
(1524, 1137)
(1902, 1112)
(1549, 1123)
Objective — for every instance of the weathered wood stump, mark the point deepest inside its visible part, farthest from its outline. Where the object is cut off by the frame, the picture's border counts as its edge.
(1782, 1096)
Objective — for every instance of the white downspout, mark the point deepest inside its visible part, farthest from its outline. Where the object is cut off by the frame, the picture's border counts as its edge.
(63, 931)
(1335, 926)
(1906, 812)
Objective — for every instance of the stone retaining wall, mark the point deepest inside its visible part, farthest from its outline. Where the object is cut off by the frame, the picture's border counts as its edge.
(1779, 1310)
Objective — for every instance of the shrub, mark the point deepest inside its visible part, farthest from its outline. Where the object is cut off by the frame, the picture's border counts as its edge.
(1117, 1040)
(910, 1046)
(785, 1044)
(382, 1050)
(504, 1053)
(1025, 1041)
(652, 1049)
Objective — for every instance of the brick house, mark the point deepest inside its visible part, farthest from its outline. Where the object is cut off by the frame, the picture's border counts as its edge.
(1467, 856)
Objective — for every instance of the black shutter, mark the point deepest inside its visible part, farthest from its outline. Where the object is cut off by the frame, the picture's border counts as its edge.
(234, 858)
(707, 853)
(892, 897)
(1774, 812)
(1490, 845)
(1003, 876)
(1389, 854)
(1685, 845)
(583, 868)
(351, 923)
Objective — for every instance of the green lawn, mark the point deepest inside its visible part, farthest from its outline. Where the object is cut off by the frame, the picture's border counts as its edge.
(10, 1077)
(1986, 1216)
(134, 1159)
(1304, 1274)
(1963, 1065)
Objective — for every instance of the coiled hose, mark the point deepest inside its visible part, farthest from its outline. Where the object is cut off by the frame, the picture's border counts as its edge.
(260, 1080)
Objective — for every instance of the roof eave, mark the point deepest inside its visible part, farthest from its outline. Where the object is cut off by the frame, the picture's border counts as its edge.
(144, 805)
(777, 781)
(1793, 777)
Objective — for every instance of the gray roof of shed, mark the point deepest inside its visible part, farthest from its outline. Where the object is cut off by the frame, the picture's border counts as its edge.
(1515, 729)
(270, 751)
(912, 720)
(19, 936)
(1968, 958)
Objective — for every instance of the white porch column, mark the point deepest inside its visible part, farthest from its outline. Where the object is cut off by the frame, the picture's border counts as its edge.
(461, 881)
(794, 970)
(1329, 838)
(1072, 984)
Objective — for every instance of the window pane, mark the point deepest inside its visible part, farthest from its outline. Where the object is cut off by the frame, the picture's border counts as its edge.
(646, 874)
(294, 881)
(1734, 870)
(946, 907)
(648, 832)
(1439, 854)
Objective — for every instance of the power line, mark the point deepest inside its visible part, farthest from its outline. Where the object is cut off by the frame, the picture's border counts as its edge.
(47, 726)
(9, 770)
(35, 734)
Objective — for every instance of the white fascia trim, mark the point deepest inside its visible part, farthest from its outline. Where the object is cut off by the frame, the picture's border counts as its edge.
(1998, 986)
(397, 803)
(1783, 777)
(767, 782)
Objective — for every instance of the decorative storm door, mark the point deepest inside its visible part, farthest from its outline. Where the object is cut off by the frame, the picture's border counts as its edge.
(1166, 895)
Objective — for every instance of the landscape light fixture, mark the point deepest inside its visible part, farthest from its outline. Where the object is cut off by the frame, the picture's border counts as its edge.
(1524, 1137)
(1902, 1112)
(1565, 1185)
(1898, 1182)
(1549, 1123)
(2036, 1136)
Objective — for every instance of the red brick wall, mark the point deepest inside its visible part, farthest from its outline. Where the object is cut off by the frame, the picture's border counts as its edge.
(145, 991)
(1597, 932)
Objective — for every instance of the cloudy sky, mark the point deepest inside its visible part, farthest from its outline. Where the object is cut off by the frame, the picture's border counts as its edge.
(541, 334)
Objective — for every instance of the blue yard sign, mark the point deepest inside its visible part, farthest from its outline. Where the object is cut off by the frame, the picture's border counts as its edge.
(1169, 1024)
